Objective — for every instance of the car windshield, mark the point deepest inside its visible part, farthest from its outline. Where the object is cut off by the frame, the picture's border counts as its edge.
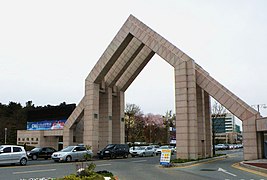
(36, 149)
(164, 147)
(134, 148)
(1, 147)
(110, 146)
(67, 149)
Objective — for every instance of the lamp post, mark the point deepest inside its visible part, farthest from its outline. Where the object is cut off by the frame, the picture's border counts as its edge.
(258, 106)
(5, 134)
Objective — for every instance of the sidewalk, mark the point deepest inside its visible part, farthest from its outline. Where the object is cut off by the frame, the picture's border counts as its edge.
(257, 165)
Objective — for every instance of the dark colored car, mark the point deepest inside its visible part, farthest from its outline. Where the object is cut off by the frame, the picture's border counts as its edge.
(114, 150)
(41, 152)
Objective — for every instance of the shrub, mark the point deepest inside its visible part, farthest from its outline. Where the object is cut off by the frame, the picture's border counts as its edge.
(85, 171)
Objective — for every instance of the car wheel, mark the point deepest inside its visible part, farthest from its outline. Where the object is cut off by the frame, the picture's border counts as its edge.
(153, 154)
(34, 157)
(68, 159)
(112, 156)
(132, 155)
(23, 162)
(125, 155)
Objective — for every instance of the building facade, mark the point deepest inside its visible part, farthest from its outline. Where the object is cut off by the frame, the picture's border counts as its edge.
(45, 126)
(226, 130)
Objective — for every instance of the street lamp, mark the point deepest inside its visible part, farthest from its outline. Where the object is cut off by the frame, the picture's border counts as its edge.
(258, 106)
(5, 134)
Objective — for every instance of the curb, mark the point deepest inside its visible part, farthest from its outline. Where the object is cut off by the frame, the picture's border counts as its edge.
(199, 161)
(255, 168)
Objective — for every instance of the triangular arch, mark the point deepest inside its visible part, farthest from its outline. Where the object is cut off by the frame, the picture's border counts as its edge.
(100, 114)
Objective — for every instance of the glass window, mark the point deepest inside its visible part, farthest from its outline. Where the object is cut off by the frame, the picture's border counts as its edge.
(50, 150)
(81, 149)
(17, 149)
(7, 150)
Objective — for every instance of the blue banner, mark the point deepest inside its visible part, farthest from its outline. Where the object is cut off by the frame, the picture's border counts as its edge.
(46, 125)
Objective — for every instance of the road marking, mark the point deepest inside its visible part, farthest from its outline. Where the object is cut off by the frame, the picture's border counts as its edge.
(104, 165)
(25, 172)
(138, 161)
(224, 171)
(232, 155)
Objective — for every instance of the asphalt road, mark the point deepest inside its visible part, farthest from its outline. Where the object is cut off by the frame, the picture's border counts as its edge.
(136, 168)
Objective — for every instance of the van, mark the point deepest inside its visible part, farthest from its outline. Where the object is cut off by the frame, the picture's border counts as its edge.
(114, 150)
(12, 154)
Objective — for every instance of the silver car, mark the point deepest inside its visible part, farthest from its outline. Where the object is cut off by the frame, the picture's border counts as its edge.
(142, 151)
(72, 153)
(11, 154)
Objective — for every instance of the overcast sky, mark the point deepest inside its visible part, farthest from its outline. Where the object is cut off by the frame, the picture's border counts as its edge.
(47, 48)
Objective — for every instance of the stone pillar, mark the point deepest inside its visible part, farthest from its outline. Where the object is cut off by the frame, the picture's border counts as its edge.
(186, 110)
(105, 115)
(201, 123)
(118, 133)
(67, 137)
(91, 116)
(208, 129)
(260, 141)
(250, 139)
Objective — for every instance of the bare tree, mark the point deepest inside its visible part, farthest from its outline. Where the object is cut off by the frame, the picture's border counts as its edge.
(217, 109)
(131, 112)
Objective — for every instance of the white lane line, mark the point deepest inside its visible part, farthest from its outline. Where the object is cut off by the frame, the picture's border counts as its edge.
(139, 161)
(224, 171)
(104, 165)
(36, 171)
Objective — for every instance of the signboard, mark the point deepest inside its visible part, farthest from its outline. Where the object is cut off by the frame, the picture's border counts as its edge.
(46, 125)
(165, 157)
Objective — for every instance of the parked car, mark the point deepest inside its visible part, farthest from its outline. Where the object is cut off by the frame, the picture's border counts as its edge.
(230, 146)
(11, 154)
(221, 147)
(72, 153)
(41, 152)
(142, 151)
(114, 150)
(164, 147)
(155, 147)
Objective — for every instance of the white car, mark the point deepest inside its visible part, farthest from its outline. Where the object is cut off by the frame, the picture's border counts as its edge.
(142, 151)
(220, 147)
(71, 153)
(155, 147)
(11, 154)
(164, 147)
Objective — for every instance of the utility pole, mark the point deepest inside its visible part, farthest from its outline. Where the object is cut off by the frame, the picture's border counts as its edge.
(5, 134)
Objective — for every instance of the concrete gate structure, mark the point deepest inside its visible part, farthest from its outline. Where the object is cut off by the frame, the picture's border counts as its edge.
(99, 117)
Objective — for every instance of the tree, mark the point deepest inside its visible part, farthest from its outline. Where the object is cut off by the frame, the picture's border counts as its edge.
(132, 111)
(154, 130)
